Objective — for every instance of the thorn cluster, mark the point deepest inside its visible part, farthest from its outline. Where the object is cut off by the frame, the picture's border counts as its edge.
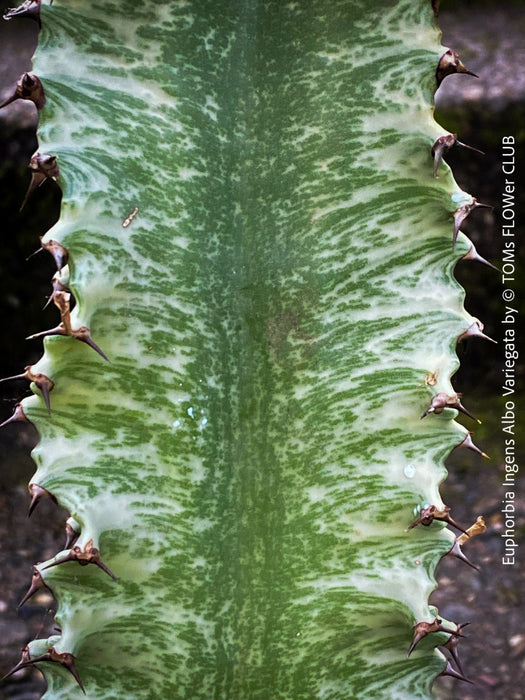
(444, 144)
(63, 658)
(431, 513)
(61, 300)
(88, 555)
(443, 400)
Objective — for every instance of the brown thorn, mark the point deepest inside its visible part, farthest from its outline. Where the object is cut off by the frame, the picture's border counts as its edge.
(84, 336)
(449, 671)
(66, 660)
(88, 555)
(44, 167)
(468, 443)
(14, 376)
(37, 492)
(461, 214)
(18, 415)
(83, 333)
(57, 330)
(24, 661)
(43, 383)
(474, 255)
(61, 300)
(475, 330)
(431, 513)
(443, 400)
(28, 87)
(40, 380)
(443, 144)
(421, 629)
(57, 250)
(37, 583)
(57, 287)
(456, 551)
(440, 147)
(450, 63)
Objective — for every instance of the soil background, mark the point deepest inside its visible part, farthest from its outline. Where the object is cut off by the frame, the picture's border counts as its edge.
(489, 37)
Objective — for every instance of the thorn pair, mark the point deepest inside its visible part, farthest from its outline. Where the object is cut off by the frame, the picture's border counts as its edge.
(28, 87)
(444, 144)
(443, 400)
(452, 647)
(88, 555)
(43, 167)
(421, 629)
(64, 658)
(61, 300)
(461, 214)
(40, 380)
(57, 250)
(478, 528)
(449, 63)
(431, 513)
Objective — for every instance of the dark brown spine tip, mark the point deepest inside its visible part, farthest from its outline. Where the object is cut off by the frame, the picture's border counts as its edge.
(37, 584)
(443, 400)
(43, 167)
(440, 147)
(449, 671)
(83, 334)
(431, 513)
(421, 629)
(29, 9)
(457, 552)
(444, 144)
(37, 493)
(88, 555)
(474, 255)
(469, 444)
(64, 658)
(18, 415)
(57, 250)
(58, 286)
(57, 330)
(40, 380)
(449, 63)
(61, 300)
(24, 661)
(461, 214)
(29, 87)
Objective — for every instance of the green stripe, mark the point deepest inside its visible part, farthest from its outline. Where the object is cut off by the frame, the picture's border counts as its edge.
(270, 316)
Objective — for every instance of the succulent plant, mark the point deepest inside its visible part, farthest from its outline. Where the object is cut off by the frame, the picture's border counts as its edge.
(256, 251)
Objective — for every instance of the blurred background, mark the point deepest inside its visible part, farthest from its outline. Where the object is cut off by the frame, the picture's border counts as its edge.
(489, 37)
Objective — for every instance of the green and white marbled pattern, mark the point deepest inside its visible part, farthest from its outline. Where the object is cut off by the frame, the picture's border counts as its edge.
(251, 456)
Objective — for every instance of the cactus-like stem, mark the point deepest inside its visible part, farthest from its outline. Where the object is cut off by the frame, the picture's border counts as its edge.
(252, 230)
